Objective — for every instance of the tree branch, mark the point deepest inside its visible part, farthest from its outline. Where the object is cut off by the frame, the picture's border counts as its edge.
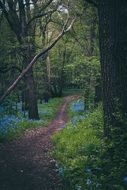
(46, 5)
(15, 26)
(40, 15)
(34, 60)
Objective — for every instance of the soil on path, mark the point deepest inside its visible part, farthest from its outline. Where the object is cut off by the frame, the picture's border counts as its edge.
(25, 163)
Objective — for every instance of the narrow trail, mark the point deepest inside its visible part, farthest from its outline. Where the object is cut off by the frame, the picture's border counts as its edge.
(25, 163)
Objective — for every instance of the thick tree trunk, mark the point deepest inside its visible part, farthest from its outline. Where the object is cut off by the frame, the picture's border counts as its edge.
(32, 99)
(113, 49)
(30, 94)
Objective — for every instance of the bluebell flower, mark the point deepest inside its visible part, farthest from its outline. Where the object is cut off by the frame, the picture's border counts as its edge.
(88, 182)
(61, 171)
(8, 122)
(77, 118)
(88, 170)
(77, 106)
(125, 179)
(78, 187)
(98, 185)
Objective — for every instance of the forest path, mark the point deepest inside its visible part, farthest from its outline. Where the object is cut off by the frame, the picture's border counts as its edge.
(25, 163)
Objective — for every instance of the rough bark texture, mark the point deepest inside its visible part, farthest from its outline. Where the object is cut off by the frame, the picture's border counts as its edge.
(32, 100)
(113, 49)
(31, 96)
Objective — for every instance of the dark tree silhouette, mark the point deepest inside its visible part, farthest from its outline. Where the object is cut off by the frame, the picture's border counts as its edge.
(113, 51)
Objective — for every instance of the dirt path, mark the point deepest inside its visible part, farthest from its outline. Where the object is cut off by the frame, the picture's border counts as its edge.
(25, 163)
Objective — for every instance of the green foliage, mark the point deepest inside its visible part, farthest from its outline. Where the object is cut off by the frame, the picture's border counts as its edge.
(84, 73)
(78, 150)
(48, 110)
(86, 160)
(72, 91)
(115, 159)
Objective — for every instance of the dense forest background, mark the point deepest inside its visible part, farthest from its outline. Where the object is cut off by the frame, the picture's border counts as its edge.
(61, 68)
(51, 49)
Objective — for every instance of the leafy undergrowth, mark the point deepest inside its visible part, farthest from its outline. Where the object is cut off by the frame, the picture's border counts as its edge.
(78, 149)
(85, 159)
(12, 126)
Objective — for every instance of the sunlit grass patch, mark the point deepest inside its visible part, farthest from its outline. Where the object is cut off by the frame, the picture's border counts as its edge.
(48, 110)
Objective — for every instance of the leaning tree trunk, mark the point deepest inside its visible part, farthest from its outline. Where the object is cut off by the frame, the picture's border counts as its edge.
(113, 49)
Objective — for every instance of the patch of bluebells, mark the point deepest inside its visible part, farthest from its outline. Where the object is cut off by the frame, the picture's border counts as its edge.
(125, 180)
(78, 187)
(59, 169)
(8, 122)
(76, 119)
(13, 118)
(88, 182)
(77, 106)
(11, 122)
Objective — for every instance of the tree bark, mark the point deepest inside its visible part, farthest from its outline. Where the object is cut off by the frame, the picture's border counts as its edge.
(30, 94)
(32, 100)
(113, 50)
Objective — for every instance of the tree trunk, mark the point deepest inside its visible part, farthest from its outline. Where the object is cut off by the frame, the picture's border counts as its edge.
(32, 99)
(113, 49)
(30, 94)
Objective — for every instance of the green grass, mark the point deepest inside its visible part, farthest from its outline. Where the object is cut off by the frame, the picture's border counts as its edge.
(72, 91)
(78, 150)
(88, 161)
(47, 111)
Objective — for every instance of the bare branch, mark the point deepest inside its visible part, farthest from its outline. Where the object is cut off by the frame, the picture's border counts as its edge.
(34, 60)
(40, 15)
